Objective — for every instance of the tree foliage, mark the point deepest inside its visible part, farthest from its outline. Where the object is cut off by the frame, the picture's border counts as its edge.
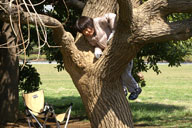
(29, 78)
(64, 14)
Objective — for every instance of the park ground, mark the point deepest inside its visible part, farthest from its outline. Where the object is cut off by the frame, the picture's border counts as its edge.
(166, 101)
(22, 123)
(73, 123)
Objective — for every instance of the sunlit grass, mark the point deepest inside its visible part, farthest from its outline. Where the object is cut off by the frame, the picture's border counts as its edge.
(167, 99)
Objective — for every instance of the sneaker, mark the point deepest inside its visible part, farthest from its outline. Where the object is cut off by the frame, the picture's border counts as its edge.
(125, 90)
(133, 96)
(138, 90)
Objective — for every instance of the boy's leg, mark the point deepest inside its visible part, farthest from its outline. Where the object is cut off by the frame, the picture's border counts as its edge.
(133, 88)
(130, 82)
(125, 88)
(128, 79)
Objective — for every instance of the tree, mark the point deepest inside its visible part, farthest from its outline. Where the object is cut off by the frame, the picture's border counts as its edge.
(9, 73)
(98, 81)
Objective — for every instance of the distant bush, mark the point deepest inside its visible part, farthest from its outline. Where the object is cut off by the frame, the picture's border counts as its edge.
(33, 57)
(188, 58)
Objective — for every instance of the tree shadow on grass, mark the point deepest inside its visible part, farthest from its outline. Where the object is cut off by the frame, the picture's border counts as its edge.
(142, 112)
(59, 105)
(153, 114)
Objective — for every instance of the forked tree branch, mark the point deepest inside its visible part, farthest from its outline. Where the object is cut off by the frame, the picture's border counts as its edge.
(166, 7)
(125, 12)
(178, 6)
(154, 26)
(166, 31)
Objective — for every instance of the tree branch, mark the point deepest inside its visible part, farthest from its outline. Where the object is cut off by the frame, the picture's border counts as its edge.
(166, 31)
(13, 11)
(136, 3)
(125, 12)
(180, 6)
(103, 7)
(166, 7)
(152, 25)
(76, 3)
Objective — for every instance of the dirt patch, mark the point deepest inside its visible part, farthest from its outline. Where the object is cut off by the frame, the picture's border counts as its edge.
(22, 123)
(73, 123)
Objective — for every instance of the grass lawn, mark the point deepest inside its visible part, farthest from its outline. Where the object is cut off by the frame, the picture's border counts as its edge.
(166, 101)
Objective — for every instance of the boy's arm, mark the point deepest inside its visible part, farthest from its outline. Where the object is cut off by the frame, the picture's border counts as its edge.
(111, 19)
(110, 36)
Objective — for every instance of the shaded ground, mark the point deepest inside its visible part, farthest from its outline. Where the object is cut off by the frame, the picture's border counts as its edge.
(73, 123)
(79, 123)
(22, 123)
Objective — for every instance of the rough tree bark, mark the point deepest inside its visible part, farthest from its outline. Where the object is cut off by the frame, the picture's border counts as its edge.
(98, 81)
(9, 75)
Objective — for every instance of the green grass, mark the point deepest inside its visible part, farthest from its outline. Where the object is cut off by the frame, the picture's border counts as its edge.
(166, 101)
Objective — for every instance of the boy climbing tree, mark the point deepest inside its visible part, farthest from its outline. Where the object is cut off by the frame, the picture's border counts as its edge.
(98, 32)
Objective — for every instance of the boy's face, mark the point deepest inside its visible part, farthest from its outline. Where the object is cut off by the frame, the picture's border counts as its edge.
(88, 31)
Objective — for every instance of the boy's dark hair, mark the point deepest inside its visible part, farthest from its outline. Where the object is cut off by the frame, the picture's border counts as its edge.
(84, 22)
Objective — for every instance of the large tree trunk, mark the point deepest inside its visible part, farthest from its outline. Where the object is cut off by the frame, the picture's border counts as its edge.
(9, 72)
(105, 102)
(101, 92)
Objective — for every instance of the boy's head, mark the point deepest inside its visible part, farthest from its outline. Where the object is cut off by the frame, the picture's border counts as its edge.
(85, 25)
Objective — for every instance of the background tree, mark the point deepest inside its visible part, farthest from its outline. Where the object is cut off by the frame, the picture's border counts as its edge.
(98, 82)
(9, 73)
